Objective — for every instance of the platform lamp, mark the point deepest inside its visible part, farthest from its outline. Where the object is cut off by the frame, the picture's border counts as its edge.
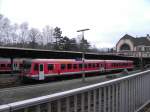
(83, 53)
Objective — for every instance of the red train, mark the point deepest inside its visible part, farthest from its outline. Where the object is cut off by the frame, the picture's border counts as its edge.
(40, 69)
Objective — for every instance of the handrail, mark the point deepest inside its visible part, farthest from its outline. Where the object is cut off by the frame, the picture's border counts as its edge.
(141, 108)
(4, 108)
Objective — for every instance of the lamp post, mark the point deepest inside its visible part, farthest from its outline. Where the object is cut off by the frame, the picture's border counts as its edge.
(141, 59)
(83, 54)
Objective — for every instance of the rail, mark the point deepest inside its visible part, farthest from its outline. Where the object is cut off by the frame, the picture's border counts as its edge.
(125, 94)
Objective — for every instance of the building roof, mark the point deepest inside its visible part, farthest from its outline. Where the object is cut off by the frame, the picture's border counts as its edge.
(138, 40)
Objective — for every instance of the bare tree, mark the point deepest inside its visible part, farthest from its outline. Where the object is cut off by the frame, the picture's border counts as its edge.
(14, 34)
(34, 35)
(1, 30)
(48, 37)
(5, 30)
(23, 33)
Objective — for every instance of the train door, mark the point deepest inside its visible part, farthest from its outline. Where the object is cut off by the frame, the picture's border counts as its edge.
(16, 66)
(102, 67)
(41, 72)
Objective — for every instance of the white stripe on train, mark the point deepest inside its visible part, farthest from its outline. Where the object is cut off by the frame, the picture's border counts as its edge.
(71, 73)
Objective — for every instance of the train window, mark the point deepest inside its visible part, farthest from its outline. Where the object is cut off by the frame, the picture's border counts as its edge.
(50, 67)
(2, 65)
(89, 65)
(69, 66)
(36, 67)
(85, 65)
(26, 65)
(97, 64)
(41, 67)
(101, 65)
(114, 64)
(63, 66)
(20, 65)
(8, 65)
(75, 66)
(93, 65)
(80, 65)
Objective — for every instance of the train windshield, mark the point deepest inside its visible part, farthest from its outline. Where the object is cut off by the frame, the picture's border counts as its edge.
(26, 64)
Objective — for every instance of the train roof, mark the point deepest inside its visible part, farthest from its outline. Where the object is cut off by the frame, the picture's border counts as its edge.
(74, 60)
(118, 61)
(53, 60)
(61, 60)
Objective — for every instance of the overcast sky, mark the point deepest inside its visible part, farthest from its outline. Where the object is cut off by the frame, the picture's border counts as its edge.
(108, 20)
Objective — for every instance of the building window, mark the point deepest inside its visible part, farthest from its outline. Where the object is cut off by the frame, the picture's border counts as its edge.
(147, 49)
(125, 47)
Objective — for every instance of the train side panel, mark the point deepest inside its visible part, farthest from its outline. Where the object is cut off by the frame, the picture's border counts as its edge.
(51, 68)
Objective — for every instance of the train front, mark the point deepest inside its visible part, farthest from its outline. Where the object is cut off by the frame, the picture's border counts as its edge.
(26, 72)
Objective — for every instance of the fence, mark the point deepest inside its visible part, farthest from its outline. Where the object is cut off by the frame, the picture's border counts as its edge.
(125, 94)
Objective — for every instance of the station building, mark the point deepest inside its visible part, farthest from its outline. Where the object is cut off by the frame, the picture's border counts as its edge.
(134, 46)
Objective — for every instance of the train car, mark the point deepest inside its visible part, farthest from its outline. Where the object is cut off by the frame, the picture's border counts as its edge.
(39, 69)
(5, 65)
(118, 65)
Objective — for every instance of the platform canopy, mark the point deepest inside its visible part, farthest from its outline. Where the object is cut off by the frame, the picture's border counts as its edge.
(11, 52)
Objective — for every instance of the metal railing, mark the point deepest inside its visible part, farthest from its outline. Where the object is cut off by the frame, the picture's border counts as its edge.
(125, 94)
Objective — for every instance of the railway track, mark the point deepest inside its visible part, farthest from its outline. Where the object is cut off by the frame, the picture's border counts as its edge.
(14, 94)
(9, 95)
(8, 80)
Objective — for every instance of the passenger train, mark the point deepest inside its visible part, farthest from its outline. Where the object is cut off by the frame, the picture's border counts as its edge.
(40, 69)
(5, 65)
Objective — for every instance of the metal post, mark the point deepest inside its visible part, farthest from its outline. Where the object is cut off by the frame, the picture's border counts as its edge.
(12, 65)
(83, 58)
(83, 54)
(141, 59)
